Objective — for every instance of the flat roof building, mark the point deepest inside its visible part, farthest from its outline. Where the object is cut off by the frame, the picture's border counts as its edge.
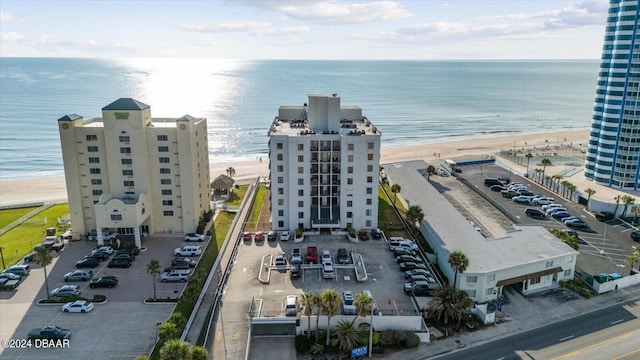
(323, 166)
(135, 174)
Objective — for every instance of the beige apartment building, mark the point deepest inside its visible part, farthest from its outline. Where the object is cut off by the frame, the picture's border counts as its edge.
(134, 174)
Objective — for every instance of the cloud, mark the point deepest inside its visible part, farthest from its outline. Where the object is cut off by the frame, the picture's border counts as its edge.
(585, 13)
(253, 27)
(5, 17)
(335, 11)
(11, 36)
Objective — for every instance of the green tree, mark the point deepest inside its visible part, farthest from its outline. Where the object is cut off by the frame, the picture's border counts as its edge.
(617, 199)
(231, 171)
(557, 179)
(43, 258)
(459, 263)
(154, 269)
(565, 186)
(528, 156)
(627, 200)
(415, 214)
(448, 305)
(363, 304)
(571, 189)
(199, 353)
(330, 306)
(589, 192)
(175, 350)
(168, 330)
(395, 189)
(316, 349)
(307, 301)
(635, 211)
(347, 336)
(545, 162)
(430, 171)
(632, 260)
(538, 173)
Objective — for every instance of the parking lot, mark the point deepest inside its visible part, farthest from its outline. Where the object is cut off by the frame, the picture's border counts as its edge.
(599, 252)
(121, 328)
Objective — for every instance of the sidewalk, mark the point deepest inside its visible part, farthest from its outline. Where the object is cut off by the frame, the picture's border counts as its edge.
(521, 315)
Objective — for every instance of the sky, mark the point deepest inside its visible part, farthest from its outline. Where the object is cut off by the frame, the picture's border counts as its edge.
(301, 29)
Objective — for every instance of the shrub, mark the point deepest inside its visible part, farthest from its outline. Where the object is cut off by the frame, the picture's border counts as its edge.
(387, 338)
(303, 345)
(352, 232)
(412, 340)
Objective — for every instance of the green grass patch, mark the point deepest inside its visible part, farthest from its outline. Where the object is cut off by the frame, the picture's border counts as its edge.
(19, 241)
(388, 220)
(222, 225)
(236, 196)
(254, 216)
(10, 215)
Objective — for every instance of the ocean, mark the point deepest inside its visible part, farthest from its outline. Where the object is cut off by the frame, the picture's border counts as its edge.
(412, 102)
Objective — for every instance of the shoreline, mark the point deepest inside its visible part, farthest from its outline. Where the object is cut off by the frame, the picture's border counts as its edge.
(23, 191)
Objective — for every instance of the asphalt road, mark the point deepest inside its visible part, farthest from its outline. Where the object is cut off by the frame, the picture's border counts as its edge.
(612, 331)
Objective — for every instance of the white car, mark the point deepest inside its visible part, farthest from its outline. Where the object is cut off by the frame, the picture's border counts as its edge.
(188, 250)
(550, 206)
(326, 257)
(194, 237)
(104, 249)
(542, 201)
(78, 306)
(109, 235)
(280, 259)
(66, 290)
(175, 275)
(285, 236)
(78, 275)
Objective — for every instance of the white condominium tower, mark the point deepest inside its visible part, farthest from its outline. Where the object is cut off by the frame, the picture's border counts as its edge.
(324, 161)
(613, 155)
(135, 174)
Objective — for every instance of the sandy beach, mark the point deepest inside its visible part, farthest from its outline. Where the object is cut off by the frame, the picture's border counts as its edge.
(53, 188)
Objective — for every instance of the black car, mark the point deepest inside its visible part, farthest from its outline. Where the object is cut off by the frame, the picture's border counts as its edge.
(411, 266)
(403, 251)
(119, 263)
(535, 213)
(87, 263)
(376, 234)
(177, 267)
(343, 256)
(104, 281)
(100, 256)
(497, 188)
(407, 258)
(125, 256)
(635, 235)
(132, 251)
(272, 235)
(604, 216)
(183, 261)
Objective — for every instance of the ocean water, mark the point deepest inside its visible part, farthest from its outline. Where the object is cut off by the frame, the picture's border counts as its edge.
(411, 102)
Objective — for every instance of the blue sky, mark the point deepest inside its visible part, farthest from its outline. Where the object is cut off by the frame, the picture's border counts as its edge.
(334, 29)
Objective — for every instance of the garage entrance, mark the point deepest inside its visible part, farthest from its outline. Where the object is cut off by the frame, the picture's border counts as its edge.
(273, 326)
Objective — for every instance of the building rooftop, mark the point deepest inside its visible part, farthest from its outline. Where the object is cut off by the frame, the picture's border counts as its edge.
(297, 127)
(126, 104)
(453, 232)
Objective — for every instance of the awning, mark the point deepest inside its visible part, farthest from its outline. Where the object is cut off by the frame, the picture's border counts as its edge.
(535, 275)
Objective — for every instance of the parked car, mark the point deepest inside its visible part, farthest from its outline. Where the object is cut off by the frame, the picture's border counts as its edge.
(183, 260)
(285, 236)
(125, 256)
(577, 223)
(105, 249)
(295, 271)
(326, 256)
(9, 275)
(343, 256)
(291, 305)
(408, 258)
(177, 267)
(258, 237)
(20, 270)
(555, 209)
(131, 250)
(104, 281)
(509, 194)
(296, 256)
(188, 250)
(175, 276)
(376, 234)
(272, 235)
(542, 201)
(49, 332)
(605, 215)
(535, 213)
(521, 199)
(78, 306)
(312, 255)
(280, 259)
(415, 278)
(100, 256)
(550, 206)
(525, 192)
(194, 237)
(569, 219)
(78, 275)
(418, 288)
(404, 251)
(348, 305)
(87, 263)
(411, 266)
(66, 290)
(497, 188)
(119, 263)
(560, 215)
(247, 236)
(410, 273)
(363, 235)
(635, 235)
(328, 271)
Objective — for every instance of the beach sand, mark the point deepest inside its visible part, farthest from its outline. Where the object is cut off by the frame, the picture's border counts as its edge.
(54, 189)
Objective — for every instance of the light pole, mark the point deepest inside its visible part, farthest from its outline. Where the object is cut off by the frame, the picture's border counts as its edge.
(371, 328)
(2, 256)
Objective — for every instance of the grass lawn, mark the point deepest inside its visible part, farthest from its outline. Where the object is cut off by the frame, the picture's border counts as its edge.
(10, 215)
(222, 225)
(236, 196)
(254, 217)
(388, 220)
(20, 240)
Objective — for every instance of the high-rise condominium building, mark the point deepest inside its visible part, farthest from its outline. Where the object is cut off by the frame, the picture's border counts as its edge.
(613, 155)
(324, 162)
(135, 174)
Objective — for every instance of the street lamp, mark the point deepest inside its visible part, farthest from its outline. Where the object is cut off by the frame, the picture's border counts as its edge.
(371, 328)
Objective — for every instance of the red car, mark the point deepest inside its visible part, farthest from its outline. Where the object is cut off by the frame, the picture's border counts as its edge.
(312, 255)
(247, 236)
(259, 236)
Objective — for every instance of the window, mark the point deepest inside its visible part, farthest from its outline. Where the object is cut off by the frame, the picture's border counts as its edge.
(128, 183)
(369, 168)
(164, 160)
(165, 181)
(280, 202)
(350, 169)
(92, 149)
(489, 291)
(369, 156)
(94, 171)
(167, 192)
(300, 147)
(279, 146)
(280, 224)
(91, 137)
(350, 147)
(349, 181)
(301, 192)
(279, 157)
(369, 191)
(349, 203)
(534, 281)
(300, 170)
(96, 192)
(94, 160)
(370, 145)
(300, 181)
(125, 150)
(369, 179)
(280, 180)
(167, 213)
(280, 212)
(472, 279)
(300, 203)
(369, 201)
(124, 138)
(163, 138)
(96, 181)
(491, 277)
(300, 215)
(300, 158)
(549, 264)
(472, 293)
(280, 191)
(167, 202)
(126, 161)
(165, 171)
(367, 223)
(567, 273)
(163, 149)
(368, 212)
(280, 168)
(116, 217)
(350, 158)
(349, 214)
(127, 172)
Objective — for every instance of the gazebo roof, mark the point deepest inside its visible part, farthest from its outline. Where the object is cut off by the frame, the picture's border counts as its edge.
(222, 182)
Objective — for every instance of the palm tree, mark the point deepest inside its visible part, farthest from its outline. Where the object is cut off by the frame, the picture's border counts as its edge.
(632, 260)
(430, 171)
(617, 199)
(571, 189)
(628, 200)
(459, 263)
(395, 189)
(557, 179)
(528, 156)
(231, 171)
(547, 181)
(307, 300)
(363, 304)
(544, 163)
(153, 268)
(448, 305)
(538, 173)
(635, 211)
(415, 214)
(317, 301)
(589, 192)
(347, 336)
(331, 306)
(565, 185)
(43, 258)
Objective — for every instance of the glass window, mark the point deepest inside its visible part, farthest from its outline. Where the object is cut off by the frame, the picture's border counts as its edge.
(167, 213)
(369, 168)
(124, 138)
(367, 223)
(127, 161)
(280, 168)
(94, 160)
(369, 201)
(300, 170)
(349, 214)
(91, 137)
(549, 264)
(280, 202)
(164, 160)
(472, 279)
(349, 181)
(96, 192)
(165, 181)
(300, 192)
(369, 190)
(369, 156)
(280, 179)
(166, 191)
(116, 217)
(280, 191)
(567, 272)
(127, 172)
(368, 212)
(92, 149)
(279, 157)
(125, 150)
(349, 203)
(300, 158)
(279, 146)
(300, 203)
(96, 181)
(280, 224)
(300, 215)
(350, 169)
(300, 181)
(165, 171)
(350, 147)
(163, 149)
(163, 138)
(300, 147)
(280, 212)
(369, 179)
(128, 183)
(94, 171)
(167, 202)
(472, 293)
(370, 145)
(350, 158)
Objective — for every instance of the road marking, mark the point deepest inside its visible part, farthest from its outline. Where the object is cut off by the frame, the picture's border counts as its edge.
(617, 322)
(626, 356)
(567, 338)
(574, 353)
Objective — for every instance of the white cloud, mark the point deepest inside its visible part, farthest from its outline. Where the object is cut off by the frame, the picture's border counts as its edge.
(5, 17)
(11, 36)
(335, 11)
(253, 27)
(585, 13)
